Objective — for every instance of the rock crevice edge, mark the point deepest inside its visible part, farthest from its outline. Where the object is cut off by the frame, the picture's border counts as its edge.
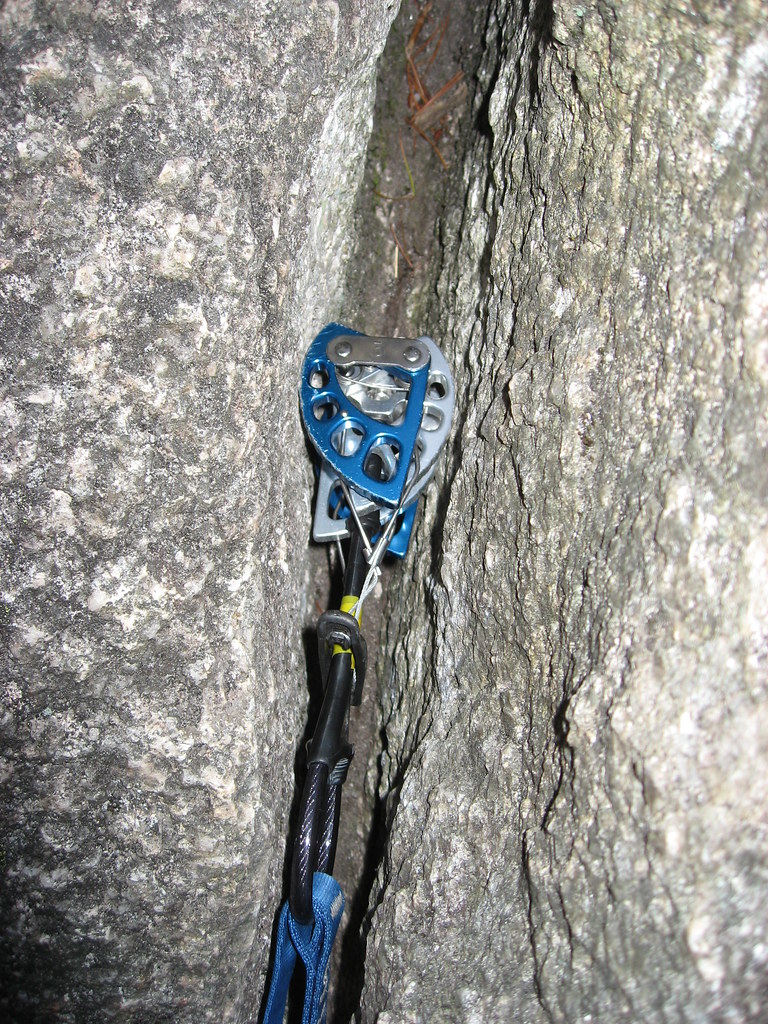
(580, 833)
(178, 184)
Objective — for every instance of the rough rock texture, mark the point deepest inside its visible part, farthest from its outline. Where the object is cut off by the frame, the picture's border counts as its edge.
(577, 763)
(177, 183)
(575, 722)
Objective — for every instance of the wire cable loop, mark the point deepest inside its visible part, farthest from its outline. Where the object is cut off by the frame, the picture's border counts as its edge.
(376, 555)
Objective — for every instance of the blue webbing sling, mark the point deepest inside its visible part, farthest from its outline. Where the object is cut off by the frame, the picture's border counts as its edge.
(312, 943)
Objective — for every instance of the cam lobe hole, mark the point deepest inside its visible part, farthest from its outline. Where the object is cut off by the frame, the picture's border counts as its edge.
(437, 387)
(432, 418)
(381, 462)
(324, 409)
(318, 378)
(347, 438)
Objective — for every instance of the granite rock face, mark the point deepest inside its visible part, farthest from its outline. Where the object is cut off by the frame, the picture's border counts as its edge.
(576, 763)
(574, 691)
(177, 186)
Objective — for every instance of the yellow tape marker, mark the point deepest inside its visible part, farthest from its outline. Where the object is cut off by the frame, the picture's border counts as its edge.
(348, 602)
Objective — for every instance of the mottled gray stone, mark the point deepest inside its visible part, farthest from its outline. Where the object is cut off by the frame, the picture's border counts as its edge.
(574, 691)
(177, 183)
(576, 720)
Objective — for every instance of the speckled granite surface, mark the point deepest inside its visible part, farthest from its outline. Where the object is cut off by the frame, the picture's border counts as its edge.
(177, 182)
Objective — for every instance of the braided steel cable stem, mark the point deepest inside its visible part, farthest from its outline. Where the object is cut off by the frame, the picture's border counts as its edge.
(315, 845)
(329, 829)
(305, 845)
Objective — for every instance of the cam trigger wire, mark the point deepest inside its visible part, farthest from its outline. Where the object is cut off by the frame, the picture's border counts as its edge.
(376, 556)
(356, 518)
(348, 419)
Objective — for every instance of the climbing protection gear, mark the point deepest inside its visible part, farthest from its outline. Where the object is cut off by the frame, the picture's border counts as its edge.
(313, 944)
(378, 411)
(375, 409)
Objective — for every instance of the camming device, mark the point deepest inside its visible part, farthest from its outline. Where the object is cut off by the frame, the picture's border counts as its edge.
(378, 412)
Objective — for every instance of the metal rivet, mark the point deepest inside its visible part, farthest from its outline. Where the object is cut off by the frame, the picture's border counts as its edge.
(411, 354)
(343, 348)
